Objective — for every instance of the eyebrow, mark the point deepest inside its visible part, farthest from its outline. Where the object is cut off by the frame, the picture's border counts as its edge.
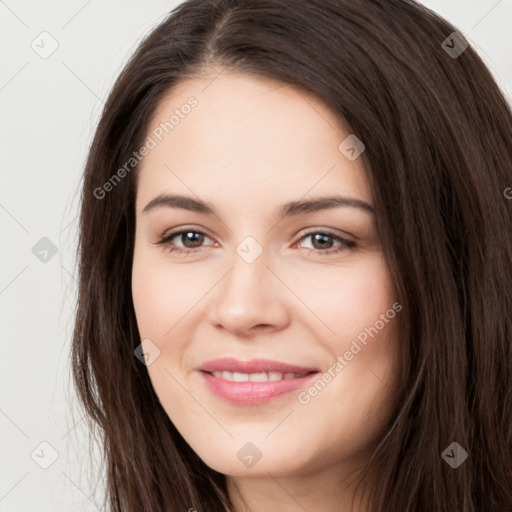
(288, 209)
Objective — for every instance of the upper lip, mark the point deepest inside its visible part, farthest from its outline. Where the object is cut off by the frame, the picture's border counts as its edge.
(231, 364)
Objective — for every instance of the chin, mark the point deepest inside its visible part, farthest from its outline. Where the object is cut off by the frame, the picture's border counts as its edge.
(244, 460)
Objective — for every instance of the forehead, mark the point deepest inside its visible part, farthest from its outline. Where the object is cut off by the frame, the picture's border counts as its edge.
(248, 136)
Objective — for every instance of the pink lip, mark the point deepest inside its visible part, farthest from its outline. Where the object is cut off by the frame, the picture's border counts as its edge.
(252, 393)
(230, 364)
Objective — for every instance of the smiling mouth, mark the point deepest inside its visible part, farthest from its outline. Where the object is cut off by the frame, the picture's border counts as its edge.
(257, 377)
(238, 388)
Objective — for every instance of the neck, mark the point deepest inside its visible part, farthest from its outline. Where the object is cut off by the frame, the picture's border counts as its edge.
(322, 491)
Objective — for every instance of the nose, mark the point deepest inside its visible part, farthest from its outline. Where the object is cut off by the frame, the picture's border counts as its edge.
(249, 299)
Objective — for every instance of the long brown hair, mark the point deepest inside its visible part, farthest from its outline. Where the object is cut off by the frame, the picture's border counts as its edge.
(438, 137)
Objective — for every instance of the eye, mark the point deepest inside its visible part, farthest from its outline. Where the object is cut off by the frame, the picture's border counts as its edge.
(321, 239)
(195, 237)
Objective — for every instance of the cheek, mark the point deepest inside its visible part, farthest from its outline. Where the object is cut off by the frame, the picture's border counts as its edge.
(149, 301)
(347, 300)
(161, 294)
(168, 304)
(161, 302)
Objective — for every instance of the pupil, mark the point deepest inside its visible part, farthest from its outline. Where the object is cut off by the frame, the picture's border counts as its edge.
(321, 238)
(193, 236)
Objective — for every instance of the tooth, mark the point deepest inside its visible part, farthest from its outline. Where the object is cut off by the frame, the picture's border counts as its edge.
(258, 377)
(255, 377)
(240, 377)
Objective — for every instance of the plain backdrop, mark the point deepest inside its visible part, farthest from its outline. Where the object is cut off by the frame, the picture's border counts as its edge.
(50, 106)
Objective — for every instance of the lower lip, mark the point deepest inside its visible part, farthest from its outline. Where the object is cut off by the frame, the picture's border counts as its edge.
(252, 393)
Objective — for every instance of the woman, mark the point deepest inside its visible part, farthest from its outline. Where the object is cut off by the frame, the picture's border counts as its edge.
(295, 265)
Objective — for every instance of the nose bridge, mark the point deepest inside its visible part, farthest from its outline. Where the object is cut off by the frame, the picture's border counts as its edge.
(249, 293)
(248, 280)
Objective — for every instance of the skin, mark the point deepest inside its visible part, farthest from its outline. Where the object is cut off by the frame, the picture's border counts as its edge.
(249, 146)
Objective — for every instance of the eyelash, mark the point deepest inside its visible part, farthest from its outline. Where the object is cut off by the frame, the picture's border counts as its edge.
(165, 242)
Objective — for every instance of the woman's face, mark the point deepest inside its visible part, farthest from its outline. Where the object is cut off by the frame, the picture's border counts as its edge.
(305, 286)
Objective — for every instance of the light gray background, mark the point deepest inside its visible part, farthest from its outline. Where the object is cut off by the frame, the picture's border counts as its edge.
(49, 110)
